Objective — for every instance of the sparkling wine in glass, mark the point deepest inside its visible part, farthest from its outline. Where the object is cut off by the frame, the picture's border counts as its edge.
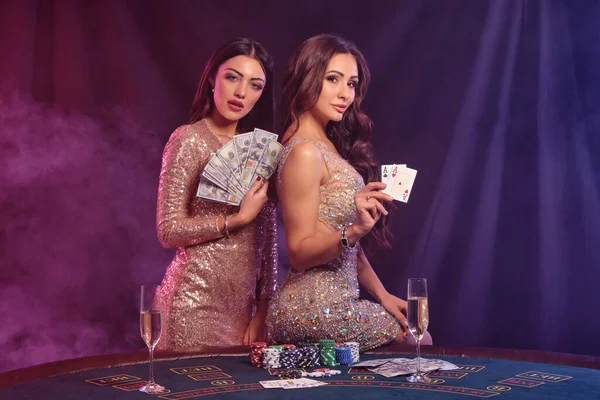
(150, 328)
(418, 320)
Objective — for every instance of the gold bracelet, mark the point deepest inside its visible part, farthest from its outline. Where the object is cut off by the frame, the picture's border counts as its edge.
(225, 227)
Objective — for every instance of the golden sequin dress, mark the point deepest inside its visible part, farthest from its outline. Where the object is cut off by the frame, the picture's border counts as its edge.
(210, 290)
(322, 302)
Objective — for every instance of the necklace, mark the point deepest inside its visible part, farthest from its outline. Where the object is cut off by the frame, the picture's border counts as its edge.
(218, 135)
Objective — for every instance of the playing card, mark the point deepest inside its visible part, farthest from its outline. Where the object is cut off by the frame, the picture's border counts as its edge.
(301, 383)
(400, 183)
(385, 172)
(274, 384)
(390, 170)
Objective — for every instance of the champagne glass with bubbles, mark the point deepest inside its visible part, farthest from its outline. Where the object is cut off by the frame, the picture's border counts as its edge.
(418, 320)
(150, 328)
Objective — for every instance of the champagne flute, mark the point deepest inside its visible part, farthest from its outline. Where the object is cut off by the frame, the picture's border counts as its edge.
(150, 328)
(418, 320)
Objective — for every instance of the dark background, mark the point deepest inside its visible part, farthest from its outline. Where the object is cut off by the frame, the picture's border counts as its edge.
(495, 103)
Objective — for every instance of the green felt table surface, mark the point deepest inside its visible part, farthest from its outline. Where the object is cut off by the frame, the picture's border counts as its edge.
(482, 374)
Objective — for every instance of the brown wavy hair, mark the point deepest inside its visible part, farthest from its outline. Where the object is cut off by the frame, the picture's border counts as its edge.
(262, 114)
(302, 85)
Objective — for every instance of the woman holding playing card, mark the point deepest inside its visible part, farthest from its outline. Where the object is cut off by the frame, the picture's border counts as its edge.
(326, 206)
(216, 289)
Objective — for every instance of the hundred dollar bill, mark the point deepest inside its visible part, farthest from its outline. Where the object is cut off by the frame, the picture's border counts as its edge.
(391, 369)
(257, 148)
(269, 160)
(223, 184)
(229, 158)
(209, 191)
(242, 147)
(222, 176)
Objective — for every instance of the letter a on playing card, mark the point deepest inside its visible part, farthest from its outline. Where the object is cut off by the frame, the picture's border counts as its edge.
(400, 185)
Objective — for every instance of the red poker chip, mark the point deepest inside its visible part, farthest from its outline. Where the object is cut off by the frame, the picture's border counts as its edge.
(321, 369)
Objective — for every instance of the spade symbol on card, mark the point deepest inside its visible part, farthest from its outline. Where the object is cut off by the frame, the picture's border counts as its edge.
(385, 173)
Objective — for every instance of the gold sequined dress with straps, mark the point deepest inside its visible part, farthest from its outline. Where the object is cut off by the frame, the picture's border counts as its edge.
(210, 290)
(323, 302)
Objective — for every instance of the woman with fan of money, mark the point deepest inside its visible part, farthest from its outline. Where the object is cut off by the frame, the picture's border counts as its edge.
(216, 289)
(327, 208)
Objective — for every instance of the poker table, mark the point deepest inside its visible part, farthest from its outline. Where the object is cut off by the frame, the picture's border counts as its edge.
(217, 373)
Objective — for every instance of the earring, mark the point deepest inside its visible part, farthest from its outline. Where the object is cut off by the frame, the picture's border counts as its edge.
(213, 90)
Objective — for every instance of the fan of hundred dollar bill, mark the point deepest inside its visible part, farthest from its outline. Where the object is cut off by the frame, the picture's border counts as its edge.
(235, 166)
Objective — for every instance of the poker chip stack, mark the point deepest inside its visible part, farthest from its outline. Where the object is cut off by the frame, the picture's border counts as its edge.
(314, 354)
(309, 357)
(292, 374)
(256, 353)
(354, 350)
(304, 362)
(271, 357)
(327, 349)
(288, 358)
(343, 355)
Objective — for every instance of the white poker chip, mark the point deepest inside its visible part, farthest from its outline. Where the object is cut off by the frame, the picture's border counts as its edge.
(322, 374)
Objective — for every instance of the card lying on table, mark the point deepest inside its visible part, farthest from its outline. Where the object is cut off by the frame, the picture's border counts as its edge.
(399, 179)
(298, 383)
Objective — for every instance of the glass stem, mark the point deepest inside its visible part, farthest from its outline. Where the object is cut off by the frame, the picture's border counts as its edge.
(151, 381)
(418, 357)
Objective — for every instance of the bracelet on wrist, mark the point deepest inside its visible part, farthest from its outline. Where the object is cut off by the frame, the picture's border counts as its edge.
(344, 239)
(225, 227)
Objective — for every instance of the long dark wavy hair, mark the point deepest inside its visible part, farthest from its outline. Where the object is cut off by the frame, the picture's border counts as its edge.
(303, 81)
(262, 114)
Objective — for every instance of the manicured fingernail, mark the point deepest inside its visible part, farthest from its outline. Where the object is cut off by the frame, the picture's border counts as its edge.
(258, 179)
